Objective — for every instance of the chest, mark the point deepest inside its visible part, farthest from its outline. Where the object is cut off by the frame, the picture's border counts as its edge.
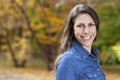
(90, 69)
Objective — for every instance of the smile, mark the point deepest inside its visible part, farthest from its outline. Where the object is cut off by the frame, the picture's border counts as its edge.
(86, 37)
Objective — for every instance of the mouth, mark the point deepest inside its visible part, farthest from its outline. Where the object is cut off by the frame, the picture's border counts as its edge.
(86, 37)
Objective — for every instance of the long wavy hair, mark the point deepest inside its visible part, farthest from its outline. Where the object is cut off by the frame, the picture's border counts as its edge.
(68, 35)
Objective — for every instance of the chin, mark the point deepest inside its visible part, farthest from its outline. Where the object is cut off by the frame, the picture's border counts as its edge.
(87, 44)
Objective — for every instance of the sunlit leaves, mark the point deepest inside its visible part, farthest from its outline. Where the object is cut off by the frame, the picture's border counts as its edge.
(116, 48)
(43, 39)
(46, 23)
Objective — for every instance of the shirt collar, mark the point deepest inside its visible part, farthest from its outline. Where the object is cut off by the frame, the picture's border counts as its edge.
(81, 51)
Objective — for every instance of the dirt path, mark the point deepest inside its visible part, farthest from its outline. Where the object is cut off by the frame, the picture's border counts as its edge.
(17, 76)
(21, 74)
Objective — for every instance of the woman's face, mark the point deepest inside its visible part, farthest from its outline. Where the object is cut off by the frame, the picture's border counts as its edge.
(85, 30)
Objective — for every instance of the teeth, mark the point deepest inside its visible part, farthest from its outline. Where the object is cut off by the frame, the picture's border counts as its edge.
(86, 37)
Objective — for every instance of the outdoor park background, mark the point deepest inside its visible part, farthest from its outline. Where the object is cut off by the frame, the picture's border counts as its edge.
(30, 33)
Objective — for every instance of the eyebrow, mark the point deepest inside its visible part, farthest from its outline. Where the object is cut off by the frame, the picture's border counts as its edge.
(88, 23)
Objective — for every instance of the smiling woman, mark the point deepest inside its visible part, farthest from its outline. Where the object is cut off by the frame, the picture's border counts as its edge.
(85, 30)
(78, 58)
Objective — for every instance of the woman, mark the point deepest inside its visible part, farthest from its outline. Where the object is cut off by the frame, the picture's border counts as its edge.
(78, 59)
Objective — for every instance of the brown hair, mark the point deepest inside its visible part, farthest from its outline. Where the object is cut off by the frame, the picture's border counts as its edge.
(68, 35)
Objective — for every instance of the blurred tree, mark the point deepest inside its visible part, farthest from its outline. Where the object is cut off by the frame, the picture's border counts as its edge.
(12, 37)
(42, 22)
(109, 30)
(38, 19)
(110, 24)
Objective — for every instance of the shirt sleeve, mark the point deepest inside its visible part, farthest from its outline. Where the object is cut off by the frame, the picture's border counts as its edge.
(65, 71)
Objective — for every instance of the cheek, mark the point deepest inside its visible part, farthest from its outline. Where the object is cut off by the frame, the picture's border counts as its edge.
(77, 33)
(77, 30)
(94, 31)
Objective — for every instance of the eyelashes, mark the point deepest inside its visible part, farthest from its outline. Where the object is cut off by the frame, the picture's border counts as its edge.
(83, 25)
(91, 24)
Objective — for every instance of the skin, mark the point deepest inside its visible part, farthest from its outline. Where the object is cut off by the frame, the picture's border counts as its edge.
(85, 30)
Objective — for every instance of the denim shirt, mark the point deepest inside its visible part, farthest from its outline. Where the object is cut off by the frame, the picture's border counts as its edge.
(78, 64)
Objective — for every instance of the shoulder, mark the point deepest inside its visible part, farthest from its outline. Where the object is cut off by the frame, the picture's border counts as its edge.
(65, 68)
(67, 59)
(70, 57)
(68, 65)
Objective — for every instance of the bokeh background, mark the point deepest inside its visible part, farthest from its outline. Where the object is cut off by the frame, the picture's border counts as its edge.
(30, 33)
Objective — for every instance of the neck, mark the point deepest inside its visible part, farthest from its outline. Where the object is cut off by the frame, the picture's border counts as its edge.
(88, 49)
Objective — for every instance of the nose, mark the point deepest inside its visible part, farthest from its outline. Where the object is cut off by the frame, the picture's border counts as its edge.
(85, 30)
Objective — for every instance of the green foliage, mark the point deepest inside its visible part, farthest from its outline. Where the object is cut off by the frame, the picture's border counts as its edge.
(116, 48)
(35, 49)
(110, 24)
(108, 56)
(109, 32)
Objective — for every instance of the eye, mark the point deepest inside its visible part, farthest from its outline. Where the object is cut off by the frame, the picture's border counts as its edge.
(80, 25)
(91, 24)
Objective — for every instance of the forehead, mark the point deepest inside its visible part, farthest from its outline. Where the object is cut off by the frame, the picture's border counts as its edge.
(84, 18)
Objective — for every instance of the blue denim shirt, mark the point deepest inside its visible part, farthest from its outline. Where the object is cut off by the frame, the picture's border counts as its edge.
(78, 64)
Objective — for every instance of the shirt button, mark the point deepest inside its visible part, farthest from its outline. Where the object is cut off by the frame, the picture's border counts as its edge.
(98, 69)
(95, 75)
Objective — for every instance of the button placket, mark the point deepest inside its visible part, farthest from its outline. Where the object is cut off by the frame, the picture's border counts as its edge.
(95, 62)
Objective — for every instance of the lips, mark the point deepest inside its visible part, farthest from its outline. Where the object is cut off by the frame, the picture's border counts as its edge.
(86, 37)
